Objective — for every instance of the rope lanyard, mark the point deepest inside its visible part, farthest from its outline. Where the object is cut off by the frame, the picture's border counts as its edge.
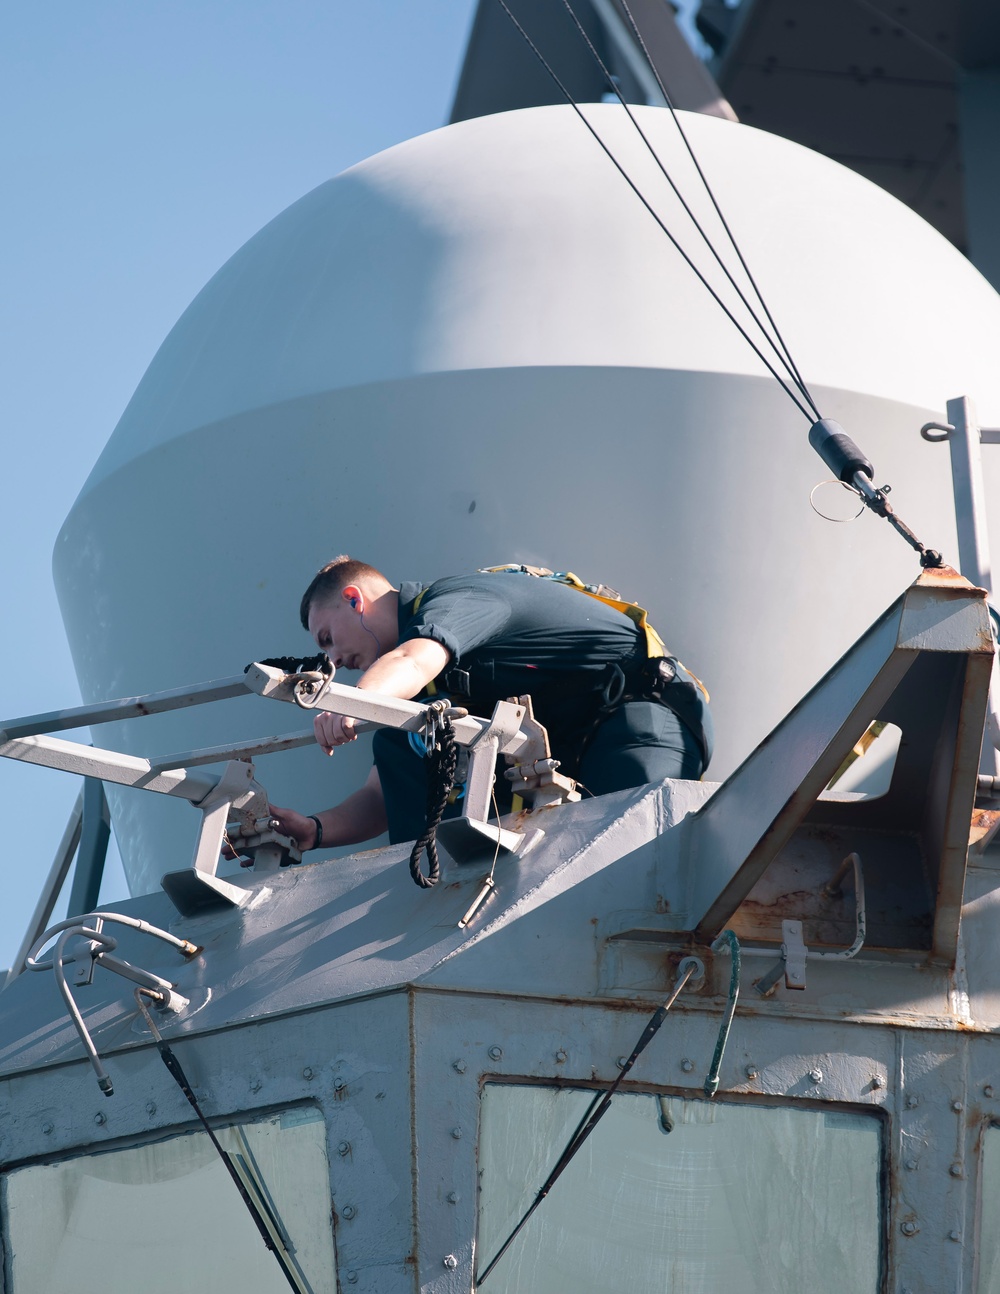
(442, 763)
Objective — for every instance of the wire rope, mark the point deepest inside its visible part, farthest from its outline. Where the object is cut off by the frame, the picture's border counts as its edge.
(595, 1112)
(718, 210)
(628, 180)
(778, 346)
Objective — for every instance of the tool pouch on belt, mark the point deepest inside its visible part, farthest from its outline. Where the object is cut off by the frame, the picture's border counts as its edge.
(671, 684)
(665, 680)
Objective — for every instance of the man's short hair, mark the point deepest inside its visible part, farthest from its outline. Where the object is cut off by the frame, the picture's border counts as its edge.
(331, 578)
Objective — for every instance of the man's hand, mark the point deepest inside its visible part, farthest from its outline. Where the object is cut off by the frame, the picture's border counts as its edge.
(333, 730)
(290, 823)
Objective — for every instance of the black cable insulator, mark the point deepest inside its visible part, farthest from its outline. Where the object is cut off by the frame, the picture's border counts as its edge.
(838, 451)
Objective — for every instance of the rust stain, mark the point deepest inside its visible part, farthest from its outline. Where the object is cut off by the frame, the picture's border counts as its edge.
(984, 826)
(945, 577)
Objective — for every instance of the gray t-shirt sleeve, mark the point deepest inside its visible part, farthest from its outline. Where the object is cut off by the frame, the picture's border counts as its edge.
(459, 619)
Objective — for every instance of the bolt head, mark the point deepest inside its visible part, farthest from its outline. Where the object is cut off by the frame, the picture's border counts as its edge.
(450, 1261)
(348, 1211)
(352, 1278)
(458, 1066)
(457, 1133)
(957, 1106)
(307, 1073)
(815, 1076)
(988, 1090)
(338, 1085)
(560, 1057)
(150, 1107)
(878, 1080)
(255, 1084)
(100, 1118)
(751, 1071)
(956, 1170)
(621, 1062)
(496, 1053)
(687, 1065)
(453, 1197)
(908, 1228)
(955, 1235)
(911, 1165)
(344, 1148)
(46, 1128)
(912, 1102)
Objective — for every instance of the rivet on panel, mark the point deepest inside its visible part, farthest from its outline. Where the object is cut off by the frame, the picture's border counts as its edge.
(909, 1228)
(352, 1278)
(453, 1197)
(955, 1235)
(100, 1118)
(752, 1071)
(988, 1090)
(457, 1133)
(348, 1211)
(450, 1261)
(458, 1066)
(911, 1165)
(957, 1106)
(878, 1080)
(687, 1065)
(344, 1148)
(560, 1057)
(912, 1102)
(339, 1084)
(46, 1128)
(815, 1076)
(956, 1170)
(496, 1053)
(150, 1107)
(307, 1073)
(621, 1062)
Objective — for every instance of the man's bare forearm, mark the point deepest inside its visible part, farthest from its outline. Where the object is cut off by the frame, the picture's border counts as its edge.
(359, 818)
(407, 669)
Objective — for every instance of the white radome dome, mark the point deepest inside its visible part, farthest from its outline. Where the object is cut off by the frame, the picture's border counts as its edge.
(479, 347)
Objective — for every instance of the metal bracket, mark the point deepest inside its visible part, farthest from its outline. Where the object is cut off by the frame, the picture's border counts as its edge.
(471, 838)
(198, 888)
(792, 963)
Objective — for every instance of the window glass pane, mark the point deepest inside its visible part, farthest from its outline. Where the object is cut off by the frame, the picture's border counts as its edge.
(758, 1199)
(989, 1232)
(166, 1216)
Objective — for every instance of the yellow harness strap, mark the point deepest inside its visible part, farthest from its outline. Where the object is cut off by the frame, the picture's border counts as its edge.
(655, 646)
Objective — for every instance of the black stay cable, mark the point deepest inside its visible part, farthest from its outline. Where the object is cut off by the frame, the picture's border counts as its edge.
(595, 1112)
(180, 1078)
(687, 259)
(778, 346)
(718, 210)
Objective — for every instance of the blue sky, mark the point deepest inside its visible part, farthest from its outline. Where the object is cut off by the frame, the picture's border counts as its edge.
(143, 144)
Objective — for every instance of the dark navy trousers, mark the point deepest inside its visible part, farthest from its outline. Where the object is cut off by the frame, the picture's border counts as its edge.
(640, 742)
